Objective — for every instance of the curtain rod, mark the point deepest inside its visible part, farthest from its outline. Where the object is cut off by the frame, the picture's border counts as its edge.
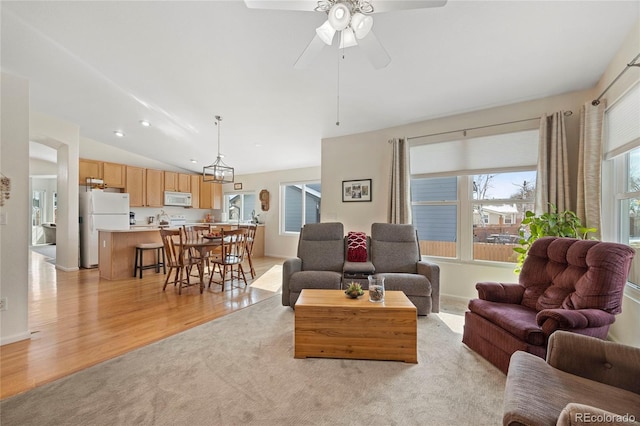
(566, 114)
(633, 63)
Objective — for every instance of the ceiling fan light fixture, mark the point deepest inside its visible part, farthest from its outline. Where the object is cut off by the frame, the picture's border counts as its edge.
(323, 6)
(347, 38)
(339, 16)
(361, 25)
(326, 32)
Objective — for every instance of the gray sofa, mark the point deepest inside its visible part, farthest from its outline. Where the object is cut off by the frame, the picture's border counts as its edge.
(393, 252)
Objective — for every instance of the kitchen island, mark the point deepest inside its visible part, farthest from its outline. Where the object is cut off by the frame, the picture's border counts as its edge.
(116, 252)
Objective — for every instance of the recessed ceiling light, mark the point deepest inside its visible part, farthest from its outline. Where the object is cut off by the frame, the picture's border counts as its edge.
(118, 133)
(145, 123)
(258, 145)
(193, 161)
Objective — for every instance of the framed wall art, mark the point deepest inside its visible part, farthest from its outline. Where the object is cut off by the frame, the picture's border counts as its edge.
(356, 190)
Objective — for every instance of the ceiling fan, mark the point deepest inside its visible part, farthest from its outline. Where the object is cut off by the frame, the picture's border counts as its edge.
(348, 17)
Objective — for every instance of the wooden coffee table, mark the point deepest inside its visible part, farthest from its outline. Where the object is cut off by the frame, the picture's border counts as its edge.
(330, 325)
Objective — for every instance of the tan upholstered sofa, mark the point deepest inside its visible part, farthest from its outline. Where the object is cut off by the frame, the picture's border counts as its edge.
(583, 380)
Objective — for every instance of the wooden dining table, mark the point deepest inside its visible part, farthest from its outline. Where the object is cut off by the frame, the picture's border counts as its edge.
(203, 246)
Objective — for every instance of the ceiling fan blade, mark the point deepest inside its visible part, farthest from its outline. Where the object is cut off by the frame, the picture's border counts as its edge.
(390, 5)
(374, 51)
(305, 5)
(312, 50)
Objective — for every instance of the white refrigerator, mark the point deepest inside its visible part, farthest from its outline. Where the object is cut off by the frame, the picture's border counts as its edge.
(100, 210)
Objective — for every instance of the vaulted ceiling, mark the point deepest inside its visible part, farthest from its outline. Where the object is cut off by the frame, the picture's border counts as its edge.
(106, 65)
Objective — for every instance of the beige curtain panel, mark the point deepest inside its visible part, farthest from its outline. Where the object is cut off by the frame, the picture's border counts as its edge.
(400, 196)
(552, 184)
(590, 165)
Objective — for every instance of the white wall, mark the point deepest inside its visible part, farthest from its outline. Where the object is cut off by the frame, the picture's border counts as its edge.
(276, 244)
(14, 233)
(42, 168)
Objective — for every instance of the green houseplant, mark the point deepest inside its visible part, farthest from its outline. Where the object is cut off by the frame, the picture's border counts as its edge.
(551, 224)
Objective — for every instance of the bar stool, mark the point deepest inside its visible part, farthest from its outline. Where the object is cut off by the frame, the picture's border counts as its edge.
(140, 249)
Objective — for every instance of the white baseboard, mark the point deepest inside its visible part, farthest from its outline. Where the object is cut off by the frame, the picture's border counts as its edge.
(62, 268)
(5, 340)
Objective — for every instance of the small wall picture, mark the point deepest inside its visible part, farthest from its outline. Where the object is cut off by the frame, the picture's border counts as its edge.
(356, 190)
(237, 186)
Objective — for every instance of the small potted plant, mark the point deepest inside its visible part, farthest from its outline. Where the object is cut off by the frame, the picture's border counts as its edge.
(354, 290)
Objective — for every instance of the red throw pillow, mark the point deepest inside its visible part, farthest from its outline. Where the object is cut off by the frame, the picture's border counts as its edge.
(356, 246)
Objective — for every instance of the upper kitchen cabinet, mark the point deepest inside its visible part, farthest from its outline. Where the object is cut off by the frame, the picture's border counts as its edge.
(155, 188)
(178, 182)
(114, 175)
(195, 191)
(184, 182)
(89, 169)
(210, 195)
(136, 186)
(170, 181)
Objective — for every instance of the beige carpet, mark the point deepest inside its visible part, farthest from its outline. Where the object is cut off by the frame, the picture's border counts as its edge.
(270, 280)
(240, 369)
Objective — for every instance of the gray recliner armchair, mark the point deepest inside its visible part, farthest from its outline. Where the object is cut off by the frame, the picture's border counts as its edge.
(395, 254)
(318, 264)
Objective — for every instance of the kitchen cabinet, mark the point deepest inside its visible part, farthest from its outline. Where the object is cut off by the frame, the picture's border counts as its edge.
(184, 182)
(89, 169)
(170, 181)
(217, 196)
(114, 175)
(210, 195)
(195, 191)
(179, 182)
(154, 188)
(135, 185)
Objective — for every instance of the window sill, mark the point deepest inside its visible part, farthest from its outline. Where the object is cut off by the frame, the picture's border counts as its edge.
(632, 291)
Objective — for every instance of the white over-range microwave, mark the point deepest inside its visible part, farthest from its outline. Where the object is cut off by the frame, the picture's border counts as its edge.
(181, 199)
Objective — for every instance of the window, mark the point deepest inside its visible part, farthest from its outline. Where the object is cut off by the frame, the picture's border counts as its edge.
(434, 211)
(241, 207)
(467, 202)
(300, 205)
(622, 151)
(501, 199)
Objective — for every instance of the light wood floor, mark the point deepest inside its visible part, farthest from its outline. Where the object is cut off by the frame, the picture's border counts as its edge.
(78, 320)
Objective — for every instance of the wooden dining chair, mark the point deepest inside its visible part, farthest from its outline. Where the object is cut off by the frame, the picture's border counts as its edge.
(232, 253)
(177, 259)
(195, 232)
(251, 236)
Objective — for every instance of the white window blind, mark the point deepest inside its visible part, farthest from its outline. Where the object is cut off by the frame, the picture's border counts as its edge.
(622, 124)
(475, 155)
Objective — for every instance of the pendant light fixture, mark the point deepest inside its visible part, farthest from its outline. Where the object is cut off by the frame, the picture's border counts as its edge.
(218, 171)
